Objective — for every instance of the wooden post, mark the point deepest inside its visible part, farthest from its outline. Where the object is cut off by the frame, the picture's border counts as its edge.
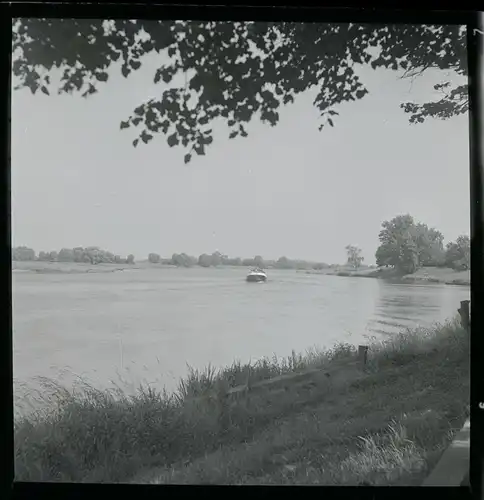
(362, 355)
(465, 318)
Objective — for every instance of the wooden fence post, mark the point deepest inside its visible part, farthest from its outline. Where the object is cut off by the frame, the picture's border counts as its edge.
(362, 355)
(464, 312)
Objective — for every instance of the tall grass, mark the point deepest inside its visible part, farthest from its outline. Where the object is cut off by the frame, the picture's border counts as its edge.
(84, 434)
(390, 454)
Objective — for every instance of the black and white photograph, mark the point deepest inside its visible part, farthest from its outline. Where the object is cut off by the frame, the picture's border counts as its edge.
(240, 251)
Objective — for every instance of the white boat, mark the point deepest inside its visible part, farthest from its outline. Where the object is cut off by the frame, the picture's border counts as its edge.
(256, 276)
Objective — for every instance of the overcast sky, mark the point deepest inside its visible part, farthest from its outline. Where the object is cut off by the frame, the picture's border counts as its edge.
(288, 190)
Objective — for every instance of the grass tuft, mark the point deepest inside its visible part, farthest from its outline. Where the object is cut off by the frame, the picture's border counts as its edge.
(388, 455)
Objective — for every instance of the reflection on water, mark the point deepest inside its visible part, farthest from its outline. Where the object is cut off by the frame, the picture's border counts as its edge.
(401, 306)
(149, 323)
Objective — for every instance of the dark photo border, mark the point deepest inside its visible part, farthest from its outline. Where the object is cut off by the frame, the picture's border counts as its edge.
(331, 12)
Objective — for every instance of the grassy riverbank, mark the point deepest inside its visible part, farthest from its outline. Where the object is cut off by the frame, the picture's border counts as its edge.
(387, 425)
(67, 267)
(442, 275)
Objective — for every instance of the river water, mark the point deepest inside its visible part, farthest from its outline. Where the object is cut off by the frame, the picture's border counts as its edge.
(146, 325)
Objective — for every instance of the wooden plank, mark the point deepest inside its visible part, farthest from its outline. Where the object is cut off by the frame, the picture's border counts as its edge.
(291, 378)
(464, 312)
(284, 380)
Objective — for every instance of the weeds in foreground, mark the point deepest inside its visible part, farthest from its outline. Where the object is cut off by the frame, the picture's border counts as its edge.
(86, 434)
(390, 454)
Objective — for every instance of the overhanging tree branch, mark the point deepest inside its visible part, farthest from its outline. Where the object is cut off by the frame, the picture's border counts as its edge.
(233, 70)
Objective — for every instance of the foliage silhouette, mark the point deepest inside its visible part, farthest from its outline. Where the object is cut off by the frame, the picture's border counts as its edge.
(234, 71)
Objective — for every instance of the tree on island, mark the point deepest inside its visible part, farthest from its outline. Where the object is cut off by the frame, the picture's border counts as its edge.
(259, 262)
(354, 256)
(183, 260)
(154, 258)
(66, 255)
(235, 71)
(89, 255)
(430, 243)
(227, 261)
(23, 253)
(205, 260)
(283, 263)
(43, 256)
(216, 259)
(286, 263)
(458, 253)
(406, 245)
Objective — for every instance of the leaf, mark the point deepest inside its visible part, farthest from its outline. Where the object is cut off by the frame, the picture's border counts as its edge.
(330, 122)
(44, 90)
(135, 142)
(139, 110)
(157, 77)
(187, 158)
(287, 99)
(124, 125)
(167, 76)
(233, 134)
(145, 137)
(135, 64)
(243, 132)
(101, 76)
(200, 150)
(125, 70)
(165, 125)
(172, 140)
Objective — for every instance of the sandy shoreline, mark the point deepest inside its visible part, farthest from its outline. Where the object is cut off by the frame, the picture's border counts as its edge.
(424, 275)
(443, 275)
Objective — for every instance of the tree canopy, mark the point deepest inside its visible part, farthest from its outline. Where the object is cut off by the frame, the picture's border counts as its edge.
(355, 258)
(458, 253)
(88, 255)
(407, 245)
(234, 71)
(154, 258)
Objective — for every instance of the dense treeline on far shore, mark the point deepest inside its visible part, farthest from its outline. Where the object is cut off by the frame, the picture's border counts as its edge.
(96, 255)
(88, 255)
(218, 259)
(405, 245)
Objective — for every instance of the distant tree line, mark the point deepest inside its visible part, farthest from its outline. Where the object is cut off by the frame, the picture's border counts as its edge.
(96, 255)
(217, 259)
(407, 245)
(88, 255)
